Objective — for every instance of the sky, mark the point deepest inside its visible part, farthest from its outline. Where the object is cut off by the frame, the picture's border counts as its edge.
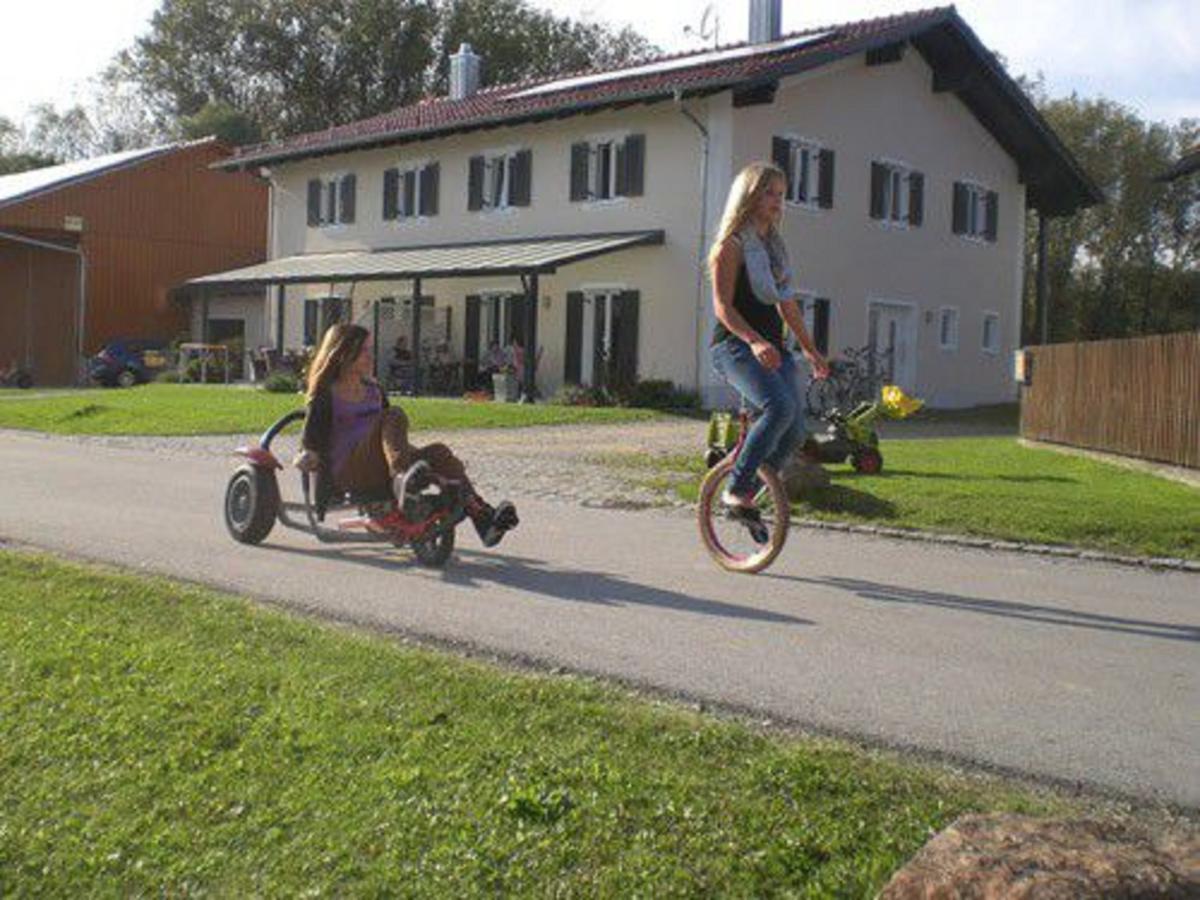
(1144, 54)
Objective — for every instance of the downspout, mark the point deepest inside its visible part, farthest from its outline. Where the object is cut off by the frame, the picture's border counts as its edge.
(79, 254)
(699, 310)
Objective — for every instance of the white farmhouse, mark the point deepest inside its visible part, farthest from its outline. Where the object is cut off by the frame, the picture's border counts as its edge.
(576, 212)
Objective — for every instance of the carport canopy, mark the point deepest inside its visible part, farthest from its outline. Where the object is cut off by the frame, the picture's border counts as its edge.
(526, 258)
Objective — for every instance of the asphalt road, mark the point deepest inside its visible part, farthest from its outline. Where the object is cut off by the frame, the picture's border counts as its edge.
(1060, 669)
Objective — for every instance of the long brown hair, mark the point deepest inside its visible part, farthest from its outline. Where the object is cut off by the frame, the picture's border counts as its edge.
(750, 184)
(339, 348)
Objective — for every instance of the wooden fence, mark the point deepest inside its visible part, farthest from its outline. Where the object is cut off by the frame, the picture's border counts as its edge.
(1136, 397)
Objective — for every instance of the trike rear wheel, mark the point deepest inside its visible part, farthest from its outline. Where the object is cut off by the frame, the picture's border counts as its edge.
(251, 504)
(435, 550)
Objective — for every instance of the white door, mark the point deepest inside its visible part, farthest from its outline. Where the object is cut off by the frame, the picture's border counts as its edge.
(892, 334)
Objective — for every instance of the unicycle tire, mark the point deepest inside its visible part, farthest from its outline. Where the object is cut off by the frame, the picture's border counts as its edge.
(728, 541)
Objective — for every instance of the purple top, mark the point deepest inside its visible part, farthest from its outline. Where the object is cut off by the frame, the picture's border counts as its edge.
(351, 423)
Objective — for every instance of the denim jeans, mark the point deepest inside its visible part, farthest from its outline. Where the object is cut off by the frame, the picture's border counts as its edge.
(775, 395)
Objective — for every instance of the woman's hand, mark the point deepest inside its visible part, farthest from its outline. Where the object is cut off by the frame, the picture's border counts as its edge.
(820, 365)
(766, 353)
(306, 460)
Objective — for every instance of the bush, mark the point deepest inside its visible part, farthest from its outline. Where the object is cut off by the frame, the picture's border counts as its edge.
(169, 376)
(659, 393)
(581, 395)
(281, 383)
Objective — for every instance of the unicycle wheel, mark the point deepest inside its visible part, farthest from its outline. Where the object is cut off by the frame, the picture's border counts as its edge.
(743, 544)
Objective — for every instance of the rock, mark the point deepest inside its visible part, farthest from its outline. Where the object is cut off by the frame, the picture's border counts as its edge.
(1010, 856)
(801, 474)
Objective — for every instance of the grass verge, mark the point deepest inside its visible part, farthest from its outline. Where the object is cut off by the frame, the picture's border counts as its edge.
(987, 487)
(164, 739)
(172, 409)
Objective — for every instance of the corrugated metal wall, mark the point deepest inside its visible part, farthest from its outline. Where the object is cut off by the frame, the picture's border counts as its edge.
(147, 229)
(1136, 397)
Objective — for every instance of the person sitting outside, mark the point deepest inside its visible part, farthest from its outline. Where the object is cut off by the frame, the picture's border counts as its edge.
(355, 441)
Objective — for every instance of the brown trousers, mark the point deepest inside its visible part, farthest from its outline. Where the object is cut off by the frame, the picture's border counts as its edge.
(385, 452)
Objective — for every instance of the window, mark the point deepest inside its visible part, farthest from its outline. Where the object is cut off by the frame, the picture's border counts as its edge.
(410, 191)
(976, 211)
(809, 169)
(609, 167)
(331, 200)
(948, 328)
(897, 194)
(320, 313)
(991, 332)
(499, 180)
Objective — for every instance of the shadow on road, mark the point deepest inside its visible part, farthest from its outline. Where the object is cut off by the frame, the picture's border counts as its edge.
(476, 570)
(1049, 615)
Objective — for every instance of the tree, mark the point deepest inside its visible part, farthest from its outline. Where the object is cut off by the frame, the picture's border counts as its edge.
(13, 158)
(223, 121)
(291, 66)
(1127, 266)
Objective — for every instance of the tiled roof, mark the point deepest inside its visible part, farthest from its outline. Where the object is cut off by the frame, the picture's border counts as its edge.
(511, 103)
(25, 185)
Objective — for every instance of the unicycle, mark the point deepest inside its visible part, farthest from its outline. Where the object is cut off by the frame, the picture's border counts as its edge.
(740, 543)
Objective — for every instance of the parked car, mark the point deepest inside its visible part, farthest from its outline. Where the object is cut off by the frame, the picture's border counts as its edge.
(124, 362)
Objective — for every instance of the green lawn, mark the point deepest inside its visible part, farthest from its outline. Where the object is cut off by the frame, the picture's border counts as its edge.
(994, 488)
(159, 739)
(215, 409)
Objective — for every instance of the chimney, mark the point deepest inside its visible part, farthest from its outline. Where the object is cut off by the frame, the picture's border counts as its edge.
(464, 73)
(766, 21)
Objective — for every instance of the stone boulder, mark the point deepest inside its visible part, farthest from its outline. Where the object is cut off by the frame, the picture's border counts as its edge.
(801, 474)
(1021, 858)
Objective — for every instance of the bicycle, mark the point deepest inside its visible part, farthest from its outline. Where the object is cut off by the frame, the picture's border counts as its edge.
(853, 379)
(739, 543)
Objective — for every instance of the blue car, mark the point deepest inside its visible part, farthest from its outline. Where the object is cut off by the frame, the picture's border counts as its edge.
(125, 362)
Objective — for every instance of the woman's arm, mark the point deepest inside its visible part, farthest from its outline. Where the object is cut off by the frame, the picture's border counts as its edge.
(724, 278)
(790, 310)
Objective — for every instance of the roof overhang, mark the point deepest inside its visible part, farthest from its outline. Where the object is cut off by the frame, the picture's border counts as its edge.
(526, 256)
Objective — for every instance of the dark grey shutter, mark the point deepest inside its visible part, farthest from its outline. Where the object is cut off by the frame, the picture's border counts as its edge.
(993, 215)
(820, 321)
(430, 176)
(916, 198)
(471, 330)
(781, 155)
(314, 201)
(625, 340)
(634, 168)
(579, 172)
(346, 198)
(522, 179)
(574, 367)
(622, 188)
(391, 178)
(475, 183)
(599, 364)
(879, 174)
(514, 318)
(312, 310)
(961, 198)
(408, 207)
(825, 185)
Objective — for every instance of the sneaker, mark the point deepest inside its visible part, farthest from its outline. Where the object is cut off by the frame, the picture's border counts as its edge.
(751, 518)
(491, 524)
(730, 499)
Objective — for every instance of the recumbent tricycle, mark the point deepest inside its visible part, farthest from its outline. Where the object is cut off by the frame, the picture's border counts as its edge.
(424, 516)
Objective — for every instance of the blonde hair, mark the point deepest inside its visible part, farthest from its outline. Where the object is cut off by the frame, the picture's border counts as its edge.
(339, 348)
(749, 185)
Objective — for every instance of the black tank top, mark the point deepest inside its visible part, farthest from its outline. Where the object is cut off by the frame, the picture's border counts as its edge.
(762, 317)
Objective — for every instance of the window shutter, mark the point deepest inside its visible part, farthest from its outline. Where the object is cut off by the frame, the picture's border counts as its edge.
(993, 215)
(514, 319)
(346, 198)
(579, 171)
(961, 198)
(916, 198)
(879, 174)
(573, 370)
(475, 183)
(522, 179)
(471, 329)
(312, 311)
(314, 202)
(634, 168)
(820, 334)
(391, 178)
(781, 155)
(825, 184)
(408, 207)
(625, 340)
(599, 364)
(430, 176)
